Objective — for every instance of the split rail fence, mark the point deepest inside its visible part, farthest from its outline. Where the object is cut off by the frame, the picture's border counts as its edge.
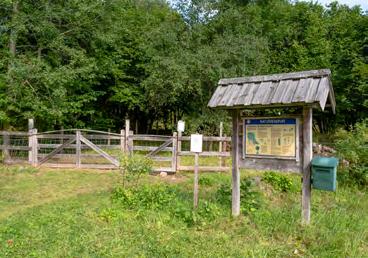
(80, 148)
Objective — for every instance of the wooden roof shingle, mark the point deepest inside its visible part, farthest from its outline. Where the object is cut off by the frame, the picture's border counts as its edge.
(276, 90)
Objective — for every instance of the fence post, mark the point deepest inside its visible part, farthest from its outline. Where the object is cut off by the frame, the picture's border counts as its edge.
(6, 143)
(127, 129)
(178, 150)
(78, 149)
(108, 138)
(130, 142)
(30, 140)
(220, 143)
(122, 140)
(34, 147)
(174, 151)
(224, 148)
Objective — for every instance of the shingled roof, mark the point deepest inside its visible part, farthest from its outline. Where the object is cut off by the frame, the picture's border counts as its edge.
(276, 90)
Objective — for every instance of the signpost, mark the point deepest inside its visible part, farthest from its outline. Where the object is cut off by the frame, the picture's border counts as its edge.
(196, 143)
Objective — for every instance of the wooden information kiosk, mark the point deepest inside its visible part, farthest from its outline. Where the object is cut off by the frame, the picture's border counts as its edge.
(284, 142)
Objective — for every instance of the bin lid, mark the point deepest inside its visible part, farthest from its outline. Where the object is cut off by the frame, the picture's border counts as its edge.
(325, 161)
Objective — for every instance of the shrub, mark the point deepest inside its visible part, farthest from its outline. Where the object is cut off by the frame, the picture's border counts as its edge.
(205, 212)
(133, 167)
(250, 199)
(278, 181)
(144, 197)
(352, 146)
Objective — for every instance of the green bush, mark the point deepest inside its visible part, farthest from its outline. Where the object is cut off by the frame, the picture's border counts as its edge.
(133, 167)
(205, 212)
(250, 199)
(144, 197)
(352, 146)
(278, 181)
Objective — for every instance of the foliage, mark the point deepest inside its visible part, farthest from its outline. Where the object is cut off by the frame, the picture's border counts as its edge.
(133, 167)
(143, 197)
(352, 146)
(63, 213)
(92, 63)
(250, 198)
(278, 181)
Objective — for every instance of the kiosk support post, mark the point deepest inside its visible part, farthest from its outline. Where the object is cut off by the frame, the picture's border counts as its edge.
(235, 201)
(307, 157)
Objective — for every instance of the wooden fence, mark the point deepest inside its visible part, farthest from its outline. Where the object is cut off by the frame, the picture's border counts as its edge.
(77, 148)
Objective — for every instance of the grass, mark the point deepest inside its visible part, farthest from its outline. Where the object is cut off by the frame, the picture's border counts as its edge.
(69, 213)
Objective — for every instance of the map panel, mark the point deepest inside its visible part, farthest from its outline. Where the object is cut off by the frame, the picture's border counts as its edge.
(274, 137)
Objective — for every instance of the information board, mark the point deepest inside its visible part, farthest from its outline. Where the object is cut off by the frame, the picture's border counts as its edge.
(274, 137)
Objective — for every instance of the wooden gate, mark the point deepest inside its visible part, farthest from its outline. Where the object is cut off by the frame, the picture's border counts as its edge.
(81, 149)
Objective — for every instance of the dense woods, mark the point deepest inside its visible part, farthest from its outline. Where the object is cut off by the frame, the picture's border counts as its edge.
(93, 63)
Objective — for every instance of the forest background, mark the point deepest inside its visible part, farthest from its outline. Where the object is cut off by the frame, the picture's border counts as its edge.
(93, 63)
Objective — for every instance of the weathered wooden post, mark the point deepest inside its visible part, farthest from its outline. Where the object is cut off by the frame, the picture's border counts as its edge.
(220, 144)
(122, 140)
(127, 129)
(174, 151)
(6, 145)
(235, 165)
(196, 143)
(78, 149)
(307, 157)
(108, 137)
(196, 179)
(30, 140)
(180, 129)
(34, 147)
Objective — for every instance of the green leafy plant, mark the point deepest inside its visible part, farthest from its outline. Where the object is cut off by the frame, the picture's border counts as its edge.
(352, 146)
(133, 167)
(251, 199)
(278, 181)
(144, 197)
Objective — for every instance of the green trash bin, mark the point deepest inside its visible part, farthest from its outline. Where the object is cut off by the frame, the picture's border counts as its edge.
(324, 173)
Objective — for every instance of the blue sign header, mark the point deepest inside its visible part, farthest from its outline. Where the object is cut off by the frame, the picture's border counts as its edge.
(271, 121)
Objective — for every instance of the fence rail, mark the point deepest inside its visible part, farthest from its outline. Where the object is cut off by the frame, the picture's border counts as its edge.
(96, 149)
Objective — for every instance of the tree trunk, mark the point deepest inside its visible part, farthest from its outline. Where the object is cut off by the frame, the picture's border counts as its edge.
(13, 33)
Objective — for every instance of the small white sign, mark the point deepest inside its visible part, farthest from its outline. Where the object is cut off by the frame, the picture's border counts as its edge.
(196, 142)
(181, 126)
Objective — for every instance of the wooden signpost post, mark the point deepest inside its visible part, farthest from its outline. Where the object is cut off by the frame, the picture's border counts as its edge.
(196, 143)
(282, 143)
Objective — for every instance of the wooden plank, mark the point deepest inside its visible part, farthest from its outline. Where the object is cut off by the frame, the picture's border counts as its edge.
(279, 92)
(100, 151)
(290, 91)
(322, 93)
(208, 138)
(57, 150)
(178, 150)
(234, 95)
(205, 168)
(262, 90)
(276, 77)
(157, 158)
(10, 133)
(30, 139)
(82, 166)
(227, 95)
(220, 143)
(244, 91)
(160, 148)
(235, 200)
(163, 169)
(153, 138)
(307, 157)
(73, 146)
(250, 94)
(78, 149)
(313, 89)
(206, 154)
(302, 90)
(150, 148)
(6, 147)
